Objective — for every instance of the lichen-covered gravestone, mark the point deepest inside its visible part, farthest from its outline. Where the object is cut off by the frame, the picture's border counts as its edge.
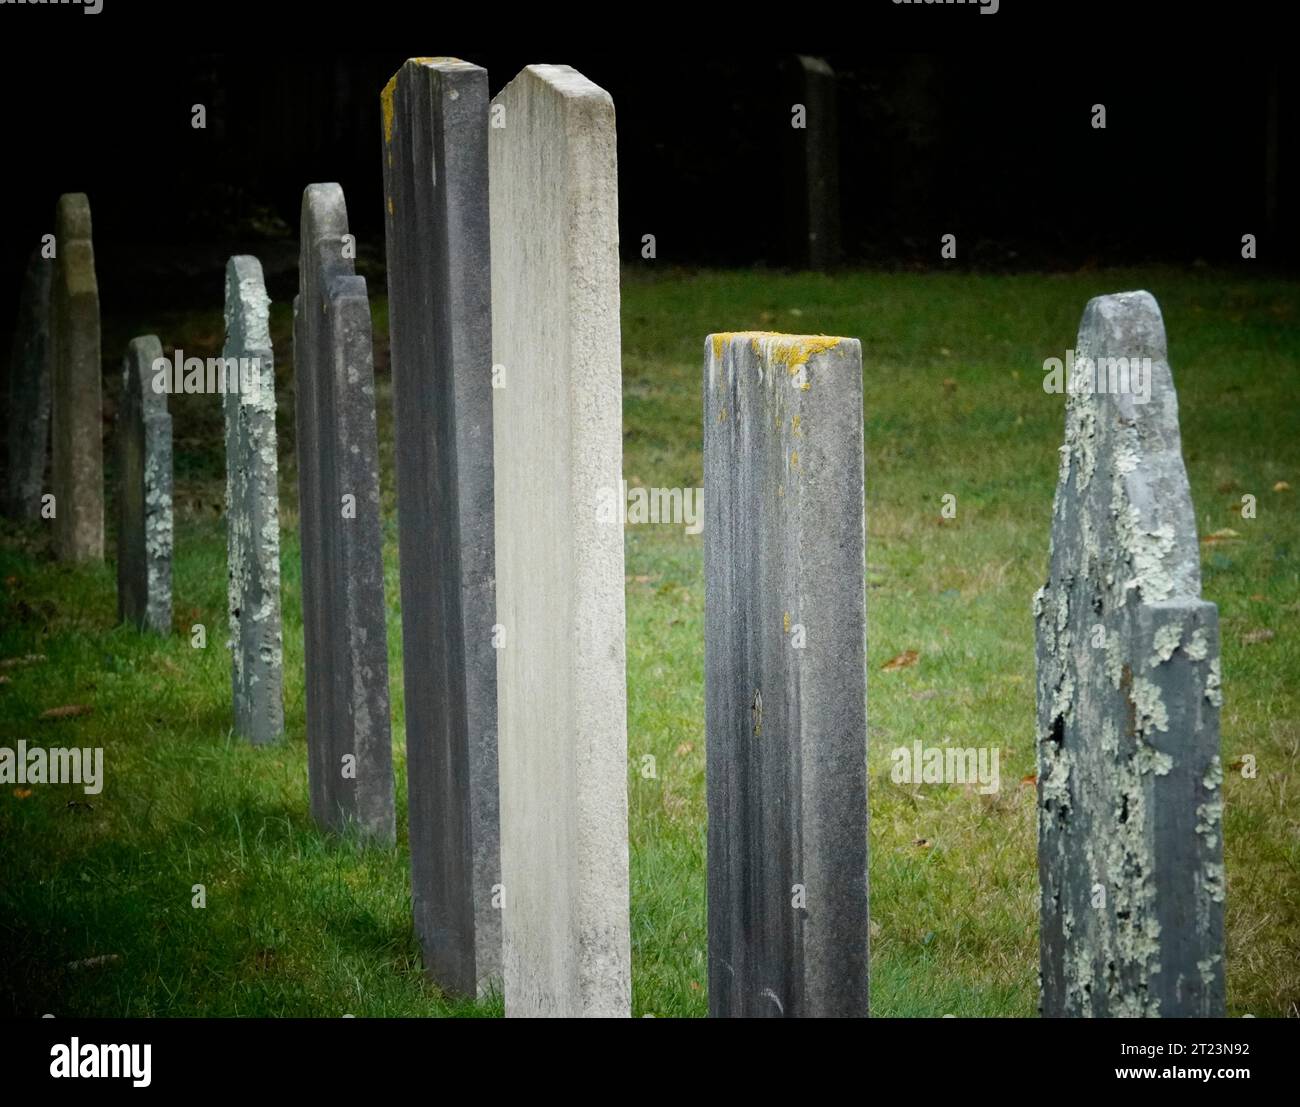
(558, 438)
(435, 118)
(349, 735)
(144, 493)
(1130, 840)
(77, 396)
(29, 392)
(252, 507)
(784, 676)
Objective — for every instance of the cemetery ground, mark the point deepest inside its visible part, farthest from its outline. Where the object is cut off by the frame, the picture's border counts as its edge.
(96, 900)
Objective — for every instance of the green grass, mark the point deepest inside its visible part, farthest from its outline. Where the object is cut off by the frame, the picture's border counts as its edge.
(297, 924)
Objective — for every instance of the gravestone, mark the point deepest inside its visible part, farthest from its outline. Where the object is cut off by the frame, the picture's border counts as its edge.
(144, 497)
(557, 433)
(349, 736)
(784, 676)
(812, 164)
(77, 395)
(435, 118)
(29, 392)
(1130, 797)
(252, 507)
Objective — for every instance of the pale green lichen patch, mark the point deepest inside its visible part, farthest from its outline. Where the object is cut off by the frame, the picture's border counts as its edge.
(1213, 684)
(1167, 639)
(1150, 708)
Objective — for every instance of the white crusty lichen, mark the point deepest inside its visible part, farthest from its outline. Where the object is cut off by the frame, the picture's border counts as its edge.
(1150, 708)
(1213, 683)
(1199, 646)
(1167, 639)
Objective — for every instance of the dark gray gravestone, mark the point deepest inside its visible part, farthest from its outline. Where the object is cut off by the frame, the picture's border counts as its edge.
(144, 493)
(784, 676)
(77, 395)
(435, 115)
(1130, 842)
(812, 165)
(349, 736)
(252, 507)
(29, 392)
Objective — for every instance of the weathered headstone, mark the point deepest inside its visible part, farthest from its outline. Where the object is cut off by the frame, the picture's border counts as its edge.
(252, 507)
(559, 557)
(77, 396)
(435, 117)
(349, 734)
(784, 676)
(144, 493)
(1130, 837)
(29, 392)
(812, 164)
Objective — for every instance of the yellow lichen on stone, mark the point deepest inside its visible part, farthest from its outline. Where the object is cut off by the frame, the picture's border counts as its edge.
(390, 206)
(787, 622)
(794, 459)
(794, 424)
(386, 99)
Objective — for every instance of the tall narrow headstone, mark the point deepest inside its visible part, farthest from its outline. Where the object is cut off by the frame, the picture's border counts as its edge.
(1130, 797)
(78, 404)
(252, 507)
(784, 675)
(349, 734)
(435, 118)
(144, 493)
(29, 392)
(812, 164)
(557, 437)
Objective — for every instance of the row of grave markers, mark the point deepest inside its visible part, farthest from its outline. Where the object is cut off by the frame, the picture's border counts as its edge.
(512, 589)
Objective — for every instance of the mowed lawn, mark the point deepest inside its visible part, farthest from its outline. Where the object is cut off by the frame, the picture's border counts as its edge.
(298, 924)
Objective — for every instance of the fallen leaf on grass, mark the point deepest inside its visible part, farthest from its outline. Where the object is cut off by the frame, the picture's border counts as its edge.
(902, 661)
(1226, 534)
(22, 793)
(685, 748)
(1254, 637)
(1281, 486)
(1031, 778)
(68, 711)
(921, 843)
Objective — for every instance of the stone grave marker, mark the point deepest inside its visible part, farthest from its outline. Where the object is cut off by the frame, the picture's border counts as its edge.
(144, 496)
(252, 507)
(349, 735)
(77, 392)
(1130, 785)
(29, 392)
(557, 435)
(785, 681)
(435, 119)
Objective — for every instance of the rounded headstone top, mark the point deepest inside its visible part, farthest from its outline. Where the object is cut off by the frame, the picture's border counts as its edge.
(72, 217)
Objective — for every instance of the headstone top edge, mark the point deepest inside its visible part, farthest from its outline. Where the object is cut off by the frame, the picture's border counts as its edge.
(813, 64)
(564, 80)
(244, 265)
(774, 344)
(72, 217)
